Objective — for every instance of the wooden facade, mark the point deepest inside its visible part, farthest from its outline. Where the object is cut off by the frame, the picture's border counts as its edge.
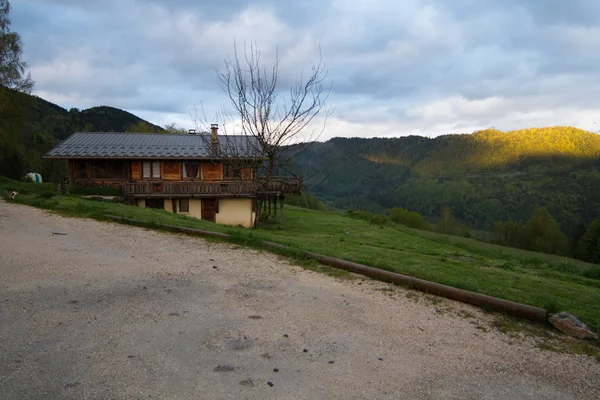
(175, 178)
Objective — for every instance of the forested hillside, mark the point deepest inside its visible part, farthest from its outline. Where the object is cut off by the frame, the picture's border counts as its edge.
(30, 126)
(482, 178)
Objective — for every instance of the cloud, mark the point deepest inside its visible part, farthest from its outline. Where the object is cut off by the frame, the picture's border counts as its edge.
(416, 66)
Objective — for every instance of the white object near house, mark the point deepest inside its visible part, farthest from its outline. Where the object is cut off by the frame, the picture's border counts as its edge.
(34, 176)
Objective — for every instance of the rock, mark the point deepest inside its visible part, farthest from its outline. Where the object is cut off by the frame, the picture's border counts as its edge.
(305, 350)
(247, 382)
(270, 384)
(275, 369)
(238, 344)
(255, 317)
(285, 335)
(72, 385)
(569, 324)
(331, 362)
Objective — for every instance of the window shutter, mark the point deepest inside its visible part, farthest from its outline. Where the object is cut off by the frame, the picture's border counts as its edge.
(146, 169)
(156, 169)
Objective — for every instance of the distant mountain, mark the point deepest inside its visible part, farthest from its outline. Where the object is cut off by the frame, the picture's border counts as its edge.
(483, 177)
(30, 126)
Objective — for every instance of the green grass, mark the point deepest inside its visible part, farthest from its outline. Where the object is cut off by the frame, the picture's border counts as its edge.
(554, 283)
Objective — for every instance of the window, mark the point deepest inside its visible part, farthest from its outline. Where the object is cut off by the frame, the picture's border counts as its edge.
(81, 170)
(147, 170)
(109, 170)
(231, 172)
(156, 169)
(151, 169)
(184, 205)
(191, 169)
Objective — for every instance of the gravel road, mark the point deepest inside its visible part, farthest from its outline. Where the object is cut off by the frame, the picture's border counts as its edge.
(93, 310)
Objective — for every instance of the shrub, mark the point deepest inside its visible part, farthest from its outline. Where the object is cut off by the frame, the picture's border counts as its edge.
(96, 190)
(46, 195)
(378, 219)
(411, 219)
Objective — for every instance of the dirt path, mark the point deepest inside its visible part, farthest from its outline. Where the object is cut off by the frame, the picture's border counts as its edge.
(98, 310)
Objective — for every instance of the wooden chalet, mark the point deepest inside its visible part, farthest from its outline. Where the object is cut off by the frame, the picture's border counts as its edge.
(195, 174)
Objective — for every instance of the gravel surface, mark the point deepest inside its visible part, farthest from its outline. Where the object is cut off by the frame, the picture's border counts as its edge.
(100, 310)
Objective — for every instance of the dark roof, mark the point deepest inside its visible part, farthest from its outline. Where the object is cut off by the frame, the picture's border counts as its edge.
(148, 145)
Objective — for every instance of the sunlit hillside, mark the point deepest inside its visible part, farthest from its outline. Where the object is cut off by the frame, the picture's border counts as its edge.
(483, 177)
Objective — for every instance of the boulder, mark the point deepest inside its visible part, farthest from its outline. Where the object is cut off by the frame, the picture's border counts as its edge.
(569, 324)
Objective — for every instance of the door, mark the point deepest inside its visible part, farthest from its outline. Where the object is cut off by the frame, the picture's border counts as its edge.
(156, 203)
(209, 209)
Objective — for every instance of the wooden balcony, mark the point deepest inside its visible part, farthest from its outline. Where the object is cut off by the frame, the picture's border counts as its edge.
(281, 187)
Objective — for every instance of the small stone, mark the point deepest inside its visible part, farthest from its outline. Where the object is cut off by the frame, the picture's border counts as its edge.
(305, 350)
(270, 384)
(73, 302)
(174, 314)
(224, 368)
(380, 359)
(71, 385)
(130, 356)
(331, 362)
(211, 259)
(215, 267)
(145, 288)
(275, 369)
(248, 381)
(255, 317)
(285, 335)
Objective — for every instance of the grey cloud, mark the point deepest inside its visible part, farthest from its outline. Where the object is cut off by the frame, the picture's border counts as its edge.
(385, 58)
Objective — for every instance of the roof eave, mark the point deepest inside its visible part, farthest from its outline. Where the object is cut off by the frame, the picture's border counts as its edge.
(46, 157)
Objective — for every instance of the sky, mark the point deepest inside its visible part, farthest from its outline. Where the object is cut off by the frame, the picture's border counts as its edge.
(395, 68)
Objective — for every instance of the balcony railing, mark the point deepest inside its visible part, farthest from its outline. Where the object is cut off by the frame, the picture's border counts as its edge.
(208, 189)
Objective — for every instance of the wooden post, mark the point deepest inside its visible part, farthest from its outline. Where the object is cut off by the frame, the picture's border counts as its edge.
(281, 200)
(275, 198)
(269, 211)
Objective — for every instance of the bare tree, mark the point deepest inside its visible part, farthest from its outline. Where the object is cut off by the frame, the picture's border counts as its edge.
(271, 119)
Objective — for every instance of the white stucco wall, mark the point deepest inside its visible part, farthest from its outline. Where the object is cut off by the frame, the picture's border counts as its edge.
(195, 208)
(231, 211)
(235, 212)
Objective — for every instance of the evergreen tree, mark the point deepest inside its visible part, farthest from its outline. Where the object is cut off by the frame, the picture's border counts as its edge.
(589, 245)
(12, 68)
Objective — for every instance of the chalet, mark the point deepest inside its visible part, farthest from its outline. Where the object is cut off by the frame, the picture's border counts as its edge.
(195, 174)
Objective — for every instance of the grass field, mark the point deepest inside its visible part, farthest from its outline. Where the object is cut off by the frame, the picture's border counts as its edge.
(542, 280)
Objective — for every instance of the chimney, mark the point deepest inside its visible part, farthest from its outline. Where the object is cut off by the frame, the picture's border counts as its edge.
(192, 131)
(214, 137)
(214, 132)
